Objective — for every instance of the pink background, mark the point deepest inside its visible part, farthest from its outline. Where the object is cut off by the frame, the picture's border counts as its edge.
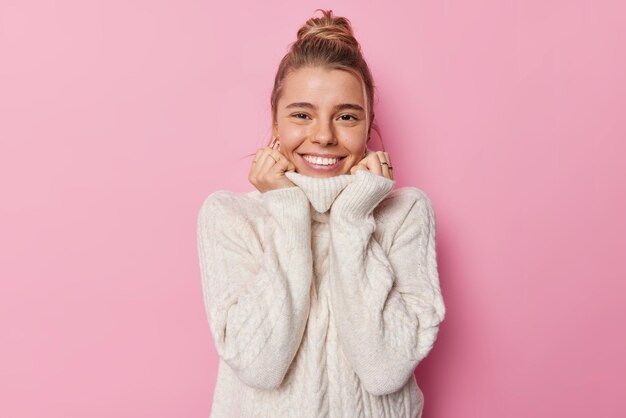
(118, 117)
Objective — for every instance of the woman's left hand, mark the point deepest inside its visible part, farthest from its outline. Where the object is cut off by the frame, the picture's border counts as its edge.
(377, 162)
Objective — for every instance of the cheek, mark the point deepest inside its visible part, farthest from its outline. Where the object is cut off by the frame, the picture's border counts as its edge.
(290, 139)
(355, 143)
(293, 133)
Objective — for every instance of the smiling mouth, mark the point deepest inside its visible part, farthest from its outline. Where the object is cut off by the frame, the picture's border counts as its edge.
(321, 161)
(322, 164)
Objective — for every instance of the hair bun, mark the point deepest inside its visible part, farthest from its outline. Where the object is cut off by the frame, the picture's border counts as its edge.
(327, 27)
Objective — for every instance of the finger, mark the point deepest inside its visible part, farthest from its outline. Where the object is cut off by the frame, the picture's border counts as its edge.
(384, 163)
(368, 154)
(290, 166)
(362, 161)
(275, 162)
(374, 163)
(282, 163)
(268, 159)
(286, 162)
(390, 167)
(256, 161)
(257, 155)
(255, 167)
(361, 165)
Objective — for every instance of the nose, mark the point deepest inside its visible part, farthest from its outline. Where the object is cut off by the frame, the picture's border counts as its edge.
(324, 134)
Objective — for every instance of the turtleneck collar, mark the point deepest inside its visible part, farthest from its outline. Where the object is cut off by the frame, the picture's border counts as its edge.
(321, 191)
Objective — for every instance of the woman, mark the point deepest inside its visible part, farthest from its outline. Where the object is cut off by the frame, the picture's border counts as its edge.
(321, 286)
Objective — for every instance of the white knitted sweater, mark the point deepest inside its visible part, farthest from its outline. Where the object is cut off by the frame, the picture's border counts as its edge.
(321, 298)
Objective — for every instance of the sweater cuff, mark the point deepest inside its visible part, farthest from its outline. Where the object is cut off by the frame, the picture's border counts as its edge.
(362, 195)
(290, 208)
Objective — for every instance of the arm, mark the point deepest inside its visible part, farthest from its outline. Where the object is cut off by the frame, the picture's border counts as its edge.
(256, 289)
(387, 306)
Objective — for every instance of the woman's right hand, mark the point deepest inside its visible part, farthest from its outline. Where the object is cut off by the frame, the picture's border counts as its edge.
(268, 170)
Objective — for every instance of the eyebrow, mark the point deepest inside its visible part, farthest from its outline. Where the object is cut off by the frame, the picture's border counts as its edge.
(341, 106)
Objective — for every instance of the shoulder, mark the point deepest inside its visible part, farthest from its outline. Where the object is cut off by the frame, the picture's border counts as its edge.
(225, 207)
(409, 193)
(404, 198)
(403, 203)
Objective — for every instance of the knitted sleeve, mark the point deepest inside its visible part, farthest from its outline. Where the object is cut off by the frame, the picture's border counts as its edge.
(387, 304)
(256, 282)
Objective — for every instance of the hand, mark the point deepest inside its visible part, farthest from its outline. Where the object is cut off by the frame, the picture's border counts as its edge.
(268, 169)
(373, 162)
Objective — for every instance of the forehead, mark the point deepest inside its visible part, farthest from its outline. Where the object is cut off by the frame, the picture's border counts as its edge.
(321, 87)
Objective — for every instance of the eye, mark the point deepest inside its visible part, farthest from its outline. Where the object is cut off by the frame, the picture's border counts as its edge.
(350, 116)
(300, 114)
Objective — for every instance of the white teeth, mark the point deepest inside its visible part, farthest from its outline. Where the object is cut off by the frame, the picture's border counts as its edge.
(320, 160)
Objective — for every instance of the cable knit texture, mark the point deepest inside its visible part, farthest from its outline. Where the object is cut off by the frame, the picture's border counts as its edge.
(321, 298)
